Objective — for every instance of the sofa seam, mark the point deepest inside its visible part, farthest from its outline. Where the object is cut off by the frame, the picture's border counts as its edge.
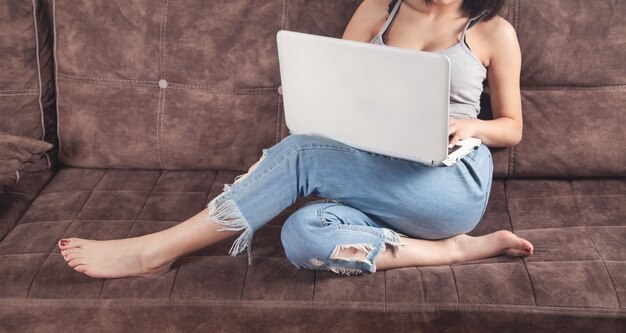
(162, 162)
(156, 181)
(512, 149)
(282, 18)
(83, 77)
(565, 196)
(619, 305)
(70, 226)
(18, 90)
(278, 123)
(517, 10)
(385, 290)
(511, 159)
(508, 213)
(158, 128)
(286, 10)
(40, 90)
(314, 284)
(164, 49)
(154, 83)
(19, 94)
(30, 202)
(32, 281)
(600, 88)
(160, 47)
(245, 278)
(57, 92)
(169, 297)
(470, 307)
(180, 86)
(456, 286)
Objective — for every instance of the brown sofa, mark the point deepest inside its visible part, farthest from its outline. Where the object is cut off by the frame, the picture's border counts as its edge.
(153, 106)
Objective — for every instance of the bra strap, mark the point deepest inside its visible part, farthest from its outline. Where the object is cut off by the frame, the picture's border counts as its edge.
(390, 18)
(471, 22)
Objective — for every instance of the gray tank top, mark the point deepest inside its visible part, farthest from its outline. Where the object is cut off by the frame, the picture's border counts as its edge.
(467, 73)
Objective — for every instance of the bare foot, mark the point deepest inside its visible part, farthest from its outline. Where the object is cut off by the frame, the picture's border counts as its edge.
(137, 256)
(147, 255)
(502, 242)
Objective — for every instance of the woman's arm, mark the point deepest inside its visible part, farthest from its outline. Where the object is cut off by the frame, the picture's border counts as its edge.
(503, 73)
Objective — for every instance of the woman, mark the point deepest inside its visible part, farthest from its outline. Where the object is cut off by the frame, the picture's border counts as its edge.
(383, 212)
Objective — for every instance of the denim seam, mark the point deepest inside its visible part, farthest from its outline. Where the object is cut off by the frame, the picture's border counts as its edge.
(488, 192)
(320, 212)
(357, 228)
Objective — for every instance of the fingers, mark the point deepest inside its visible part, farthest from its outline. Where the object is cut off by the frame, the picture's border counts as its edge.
(452, 127)
(454, 140)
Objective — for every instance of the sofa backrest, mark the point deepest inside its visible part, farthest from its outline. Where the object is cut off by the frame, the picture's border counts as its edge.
(193, 84)
(573, 89)
(27, 71)
(175, 84)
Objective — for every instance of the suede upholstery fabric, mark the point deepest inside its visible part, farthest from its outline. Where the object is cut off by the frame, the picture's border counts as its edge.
(20, 154)
(574, 281)
(27, 103)
(220, 106)
(27, 99)
(141, 157)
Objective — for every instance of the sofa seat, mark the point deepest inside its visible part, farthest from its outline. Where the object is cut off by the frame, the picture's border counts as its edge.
(575, 280)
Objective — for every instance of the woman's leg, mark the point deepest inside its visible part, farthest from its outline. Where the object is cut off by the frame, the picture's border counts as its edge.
(420, 201)
(146, 255)
(336, 237)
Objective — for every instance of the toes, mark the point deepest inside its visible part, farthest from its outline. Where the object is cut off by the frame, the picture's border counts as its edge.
(527, 246)
(75, 262)
(68, 243)
(67, 252)
(81, 268)
(71, 256)
(516, 252)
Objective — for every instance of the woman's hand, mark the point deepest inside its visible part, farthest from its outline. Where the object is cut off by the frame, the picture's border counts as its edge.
(462, 129)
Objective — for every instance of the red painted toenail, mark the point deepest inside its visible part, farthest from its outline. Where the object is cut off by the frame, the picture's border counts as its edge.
(64, 242)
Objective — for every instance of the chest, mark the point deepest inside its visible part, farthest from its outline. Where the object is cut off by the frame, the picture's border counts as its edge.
(408, 30)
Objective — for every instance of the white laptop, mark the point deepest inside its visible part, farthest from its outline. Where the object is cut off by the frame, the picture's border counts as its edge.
(382, 99)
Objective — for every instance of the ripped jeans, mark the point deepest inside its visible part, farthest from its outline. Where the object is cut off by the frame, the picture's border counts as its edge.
(371, 200)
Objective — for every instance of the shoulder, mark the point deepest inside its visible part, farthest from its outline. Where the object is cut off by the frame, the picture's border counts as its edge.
(384, 4)
(366, 20)
(499, 36)
(499, 30)
(374, 8)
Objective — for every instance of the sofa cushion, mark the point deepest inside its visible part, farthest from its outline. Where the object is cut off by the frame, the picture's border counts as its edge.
(27, 107)
(20, 154)
(191, 84)
(573, 89)
(27, 81)
(573, 279)
(177, 69)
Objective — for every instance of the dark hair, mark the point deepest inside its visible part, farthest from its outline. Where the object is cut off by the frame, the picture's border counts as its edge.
(472, 7)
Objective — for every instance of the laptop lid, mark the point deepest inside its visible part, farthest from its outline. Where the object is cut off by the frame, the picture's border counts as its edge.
(382, 99)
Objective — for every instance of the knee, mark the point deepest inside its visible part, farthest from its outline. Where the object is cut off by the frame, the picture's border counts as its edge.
(299, 237)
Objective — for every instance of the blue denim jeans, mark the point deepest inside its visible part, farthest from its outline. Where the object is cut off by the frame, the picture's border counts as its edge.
(371, 200)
